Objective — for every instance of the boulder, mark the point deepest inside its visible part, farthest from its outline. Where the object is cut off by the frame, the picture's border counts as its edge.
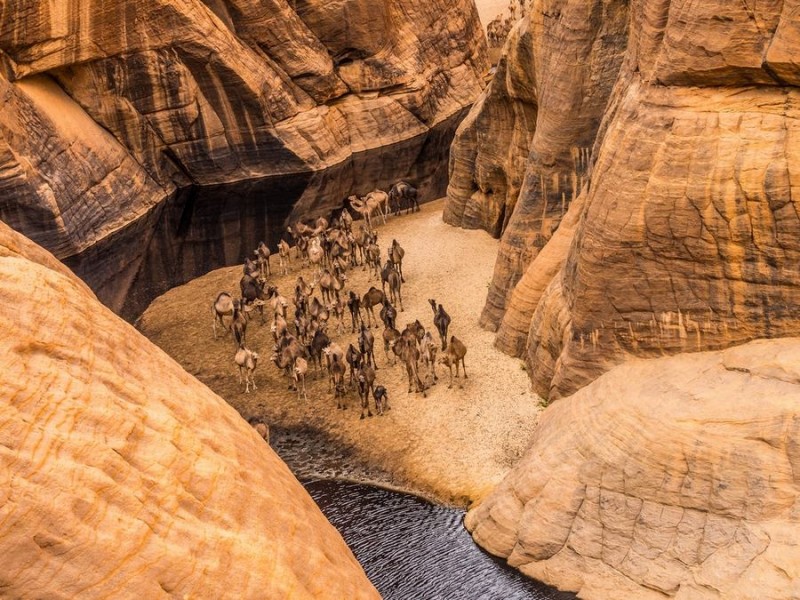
(123, 476)
(663, 478)
(677, 129)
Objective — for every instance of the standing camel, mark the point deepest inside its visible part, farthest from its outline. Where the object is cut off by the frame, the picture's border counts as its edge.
(441, 320)
(371, 299)
(454, 355)
(396, 254)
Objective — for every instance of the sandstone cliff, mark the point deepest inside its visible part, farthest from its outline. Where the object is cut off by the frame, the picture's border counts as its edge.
(108, 108)
(673, 477)
(123, 476)
(682, 124)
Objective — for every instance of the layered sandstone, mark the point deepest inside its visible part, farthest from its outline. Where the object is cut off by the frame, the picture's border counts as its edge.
(123, 476)
(673, 477)
(111, 108)
(687, 235)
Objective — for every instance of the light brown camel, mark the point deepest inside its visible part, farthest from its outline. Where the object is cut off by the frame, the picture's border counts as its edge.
(453, 356)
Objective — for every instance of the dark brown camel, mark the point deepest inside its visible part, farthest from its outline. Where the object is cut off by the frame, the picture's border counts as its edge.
(441, 320)
(371, 299)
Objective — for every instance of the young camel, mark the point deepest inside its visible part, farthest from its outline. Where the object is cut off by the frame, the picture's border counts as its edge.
(247, 361)
(441, 320)
(454, 354)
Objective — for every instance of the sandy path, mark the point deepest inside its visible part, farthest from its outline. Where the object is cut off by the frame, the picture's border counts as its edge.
(454, 445)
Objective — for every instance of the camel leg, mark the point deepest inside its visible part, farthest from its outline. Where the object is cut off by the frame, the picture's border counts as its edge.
(464, 366)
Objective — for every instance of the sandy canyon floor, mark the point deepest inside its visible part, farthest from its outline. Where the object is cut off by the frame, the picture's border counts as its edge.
(453, 446)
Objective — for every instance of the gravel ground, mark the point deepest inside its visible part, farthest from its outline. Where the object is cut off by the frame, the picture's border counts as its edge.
(453, 446)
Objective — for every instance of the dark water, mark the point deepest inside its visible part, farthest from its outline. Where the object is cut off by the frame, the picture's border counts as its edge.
(202, 228)
(409, 547)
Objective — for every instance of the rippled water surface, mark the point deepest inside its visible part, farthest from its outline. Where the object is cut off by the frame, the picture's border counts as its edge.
(412, 549)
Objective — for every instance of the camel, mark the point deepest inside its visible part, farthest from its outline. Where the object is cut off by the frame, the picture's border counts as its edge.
(338, 370)
(331, 284)
(403, 193)
(315, 348)
(441, 320)
(247, 361)
(361, 208)
(262, 259)
(371, 299)
(354, 305)
(381, 397)
(332, 351)
(304, 287)
(353, 358)
(378, 200)
(373, 261)
(337, 309)
(366, 384)
(299, 374)
(409, 354)
(366, 343)
(221, 308)
(390, 336)
(253, 293)
(239, 323)
(396, 254)
(394, 288)
(455, 354)
(283, 256)
(287, 351)
(428, 349)
(388, 314)
(346, 220)
(316, 253)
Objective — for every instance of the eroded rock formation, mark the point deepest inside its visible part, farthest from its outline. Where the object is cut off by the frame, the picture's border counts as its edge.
(109, 108)
(685, 126)
(123, 476)
(673, 477)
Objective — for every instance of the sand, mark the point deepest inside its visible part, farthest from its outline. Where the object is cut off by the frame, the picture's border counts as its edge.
(453, 446)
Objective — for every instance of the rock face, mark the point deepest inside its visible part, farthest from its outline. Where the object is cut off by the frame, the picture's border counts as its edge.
(109, 109)
(674, 477)
(685, 152)
(123, 476)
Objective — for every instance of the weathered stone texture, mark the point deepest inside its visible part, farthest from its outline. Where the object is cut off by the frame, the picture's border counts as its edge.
(122, 476)
(673, 477)
(686, 155)
(522, 154)
(171, 93)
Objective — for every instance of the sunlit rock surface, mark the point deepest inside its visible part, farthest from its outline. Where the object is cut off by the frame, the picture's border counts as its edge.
(673, 477)
(122, 476)
(109, 110)
(686, 151)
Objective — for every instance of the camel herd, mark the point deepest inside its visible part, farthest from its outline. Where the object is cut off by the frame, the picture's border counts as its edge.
(305, 322)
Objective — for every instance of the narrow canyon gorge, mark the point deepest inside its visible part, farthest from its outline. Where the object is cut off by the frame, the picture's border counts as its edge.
(636, 161)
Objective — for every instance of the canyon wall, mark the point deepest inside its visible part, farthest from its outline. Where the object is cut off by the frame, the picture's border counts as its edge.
(668, 129)
(123, 476)
(664, 478)
(109, 109)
